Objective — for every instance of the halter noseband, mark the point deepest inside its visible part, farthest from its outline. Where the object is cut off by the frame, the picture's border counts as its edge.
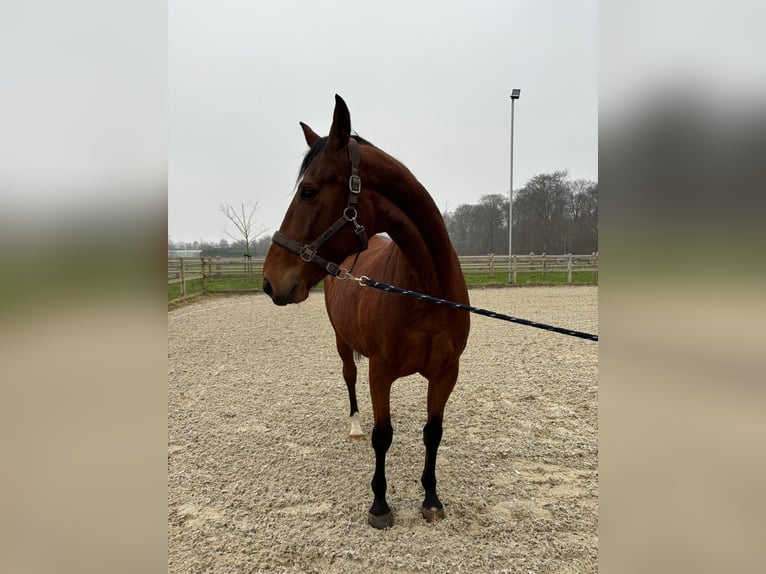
(309, 253)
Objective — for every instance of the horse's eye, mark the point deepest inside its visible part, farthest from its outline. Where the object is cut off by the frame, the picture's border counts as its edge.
(308, 193)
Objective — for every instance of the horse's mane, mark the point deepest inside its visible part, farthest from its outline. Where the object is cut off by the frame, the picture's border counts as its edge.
(317, 148)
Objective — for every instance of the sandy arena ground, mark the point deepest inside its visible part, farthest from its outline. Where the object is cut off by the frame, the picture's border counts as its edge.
(262, 477)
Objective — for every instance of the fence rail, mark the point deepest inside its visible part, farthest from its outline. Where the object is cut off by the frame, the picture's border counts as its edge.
(183, 270)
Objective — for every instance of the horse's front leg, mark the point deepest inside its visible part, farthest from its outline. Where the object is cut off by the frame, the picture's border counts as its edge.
(349, 375)
(382, 434)
(439, 389)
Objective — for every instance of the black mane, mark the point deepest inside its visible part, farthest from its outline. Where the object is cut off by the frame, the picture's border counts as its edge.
(317, 148)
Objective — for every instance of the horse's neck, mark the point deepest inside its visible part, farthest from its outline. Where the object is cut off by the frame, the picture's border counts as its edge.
(413, 221)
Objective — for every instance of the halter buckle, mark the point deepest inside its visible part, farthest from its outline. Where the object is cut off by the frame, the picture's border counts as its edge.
(307, 254)
(332, 268)
(355, 184)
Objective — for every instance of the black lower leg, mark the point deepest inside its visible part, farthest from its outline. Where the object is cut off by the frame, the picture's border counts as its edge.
(432, 436)
(382, 435)
(349, 375)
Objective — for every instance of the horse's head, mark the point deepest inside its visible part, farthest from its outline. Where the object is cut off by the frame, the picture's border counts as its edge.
(322, 225)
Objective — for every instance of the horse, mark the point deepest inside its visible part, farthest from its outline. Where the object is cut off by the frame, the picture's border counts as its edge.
(347, 190)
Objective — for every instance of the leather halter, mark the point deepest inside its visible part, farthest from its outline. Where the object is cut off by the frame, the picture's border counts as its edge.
(309, 253)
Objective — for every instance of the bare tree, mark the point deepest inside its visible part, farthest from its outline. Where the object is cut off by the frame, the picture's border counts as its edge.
(584, 217)
(543, 208)
(243, 221)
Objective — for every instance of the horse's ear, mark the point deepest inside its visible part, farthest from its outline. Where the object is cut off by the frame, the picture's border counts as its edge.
(341, 124)
(308, 133)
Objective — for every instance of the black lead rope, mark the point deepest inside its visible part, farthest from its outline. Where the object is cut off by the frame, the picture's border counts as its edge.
(366, 281)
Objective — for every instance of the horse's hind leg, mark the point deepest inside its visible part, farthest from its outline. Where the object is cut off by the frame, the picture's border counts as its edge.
(439, 389)
(349, 375)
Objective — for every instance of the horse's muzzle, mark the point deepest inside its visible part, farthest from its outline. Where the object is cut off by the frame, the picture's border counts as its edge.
(280, 300)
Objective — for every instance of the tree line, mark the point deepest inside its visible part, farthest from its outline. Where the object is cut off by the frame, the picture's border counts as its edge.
(551, 214)
(224, 247)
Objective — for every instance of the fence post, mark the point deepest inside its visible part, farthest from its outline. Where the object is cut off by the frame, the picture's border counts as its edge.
(569, 269)
(183, 278)
(202, 261)
(248, 265)
(542, 258)
(492, 265)
(513, 268)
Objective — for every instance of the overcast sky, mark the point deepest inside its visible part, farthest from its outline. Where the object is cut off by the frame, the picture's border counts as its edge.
(428, 82)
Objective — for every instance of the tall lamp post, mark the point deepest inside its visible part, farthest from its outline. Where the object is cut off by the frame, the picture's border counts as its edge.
(514, 96)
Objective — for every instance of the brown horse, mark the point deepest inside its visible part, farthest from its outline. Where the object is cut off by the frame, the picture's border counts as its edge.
(346, 189)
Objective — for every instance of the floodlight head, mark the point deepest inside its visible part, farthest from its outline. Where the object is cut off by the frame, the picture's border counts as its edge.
(515, 94)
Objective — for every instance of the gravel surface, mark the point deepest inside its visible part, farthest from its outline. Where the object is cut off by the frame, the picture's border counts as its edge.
(262, 477)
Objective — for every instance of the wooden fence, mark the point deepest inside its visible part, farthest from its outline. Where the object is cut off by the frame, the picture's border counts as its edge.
(183, 270)
(543, 263)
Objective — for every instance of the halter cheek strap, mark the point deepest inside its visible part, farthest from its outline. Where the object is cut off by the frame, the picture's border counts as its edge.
(309, 252)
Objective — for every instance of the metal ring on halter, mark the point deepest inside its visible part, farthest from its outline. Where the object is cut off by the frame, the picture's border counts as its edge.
(362, 280)
(349, 217)
(344, 273)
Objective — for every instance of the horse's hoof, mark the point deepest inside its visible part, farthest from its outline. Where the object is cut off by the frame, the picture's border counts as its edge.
(357, 437)
(433, 514)
(381, 522)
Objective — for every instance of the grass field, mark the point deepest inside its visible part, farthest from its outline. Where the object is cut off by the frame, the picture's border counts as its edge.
(527, 278)
(230, 284)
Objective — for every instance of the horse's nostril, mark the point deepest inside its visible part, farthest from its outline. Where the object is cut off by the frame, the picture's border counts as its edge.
(267, 288)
